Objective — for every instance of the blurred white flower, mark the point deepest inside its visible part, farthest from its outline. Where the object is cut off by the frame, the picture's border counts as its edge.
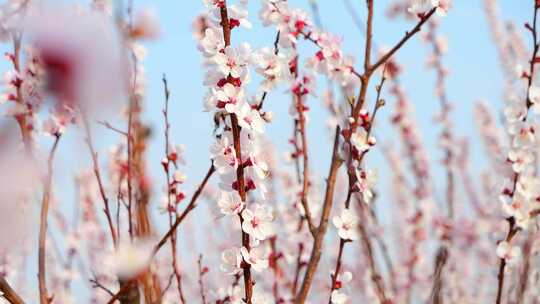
(230, 203)
(81, 55)
(145, 25)
(257, 223)
(509, 253)
(18, 177)
(130, 259)
(338, 297)
(231, 260)
(361, 141)
(257, 257)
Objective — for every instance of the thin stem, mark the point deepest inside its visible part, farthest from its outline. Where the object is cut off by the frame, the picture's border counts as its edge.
(202, 272)
(172, 212)
(376, 277)
(316, 251)
(191, 205)
(97, 173)
(401, 42)
(43, 297)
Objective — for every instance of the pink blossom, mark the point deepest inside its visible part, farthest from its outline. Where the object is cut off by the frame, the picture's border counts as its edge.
(257, 221)
(256, 257)
(346, 223)
(230, 203)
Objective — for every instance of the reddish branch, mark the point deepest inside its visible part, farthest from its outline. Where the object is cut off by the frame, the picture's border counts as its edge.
(42, 254)
(300, 129)
(248, 281)
(512, 229)
(21, 118)
(170, 210)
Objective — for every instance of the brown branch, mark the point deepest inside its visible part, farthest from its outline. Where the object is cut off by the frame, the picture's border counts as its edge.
(316, 251)
(369, 35)
(8, 293)
(248, 281)
(376, 277)
(124, 286)
(43, 297)
(401, 42)
(112, 128)
(189, 208)
(97, 173)
(440, 261)
(97, 284)
(301, 122)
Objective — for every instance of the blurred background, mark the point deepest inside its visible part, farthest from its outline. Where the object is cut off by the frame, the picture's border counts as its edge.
(474, 74)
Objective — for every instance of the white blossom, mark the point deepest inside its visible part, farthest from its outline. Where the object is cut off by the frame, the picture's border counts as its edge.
(346, 223)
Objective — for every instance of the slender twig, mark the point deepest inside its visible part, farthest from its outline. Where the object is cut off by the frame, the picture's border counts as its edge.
(97, 284)
(43, 296)
(124, 287)
(97, 173)
(401, 42)
(377, 279)
(440, 261)
(202, 272)
(316, 251)
(301, 123)
(107, 125)
(191, 205)
(21, 118)
(172, 212)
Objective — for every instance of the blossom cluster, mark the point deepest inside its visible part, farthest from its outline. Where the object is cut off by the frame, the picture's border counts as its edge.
(236, 153)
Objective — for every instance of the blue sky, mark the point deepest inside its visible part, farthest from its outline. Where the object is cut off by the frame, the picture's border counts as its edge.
(474, 74)
(472, 59)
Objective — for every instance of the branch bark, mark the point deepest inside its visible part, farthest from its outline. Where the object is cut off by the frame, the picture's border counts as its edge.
(42, 280)
(9, 293)
(316, 251)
